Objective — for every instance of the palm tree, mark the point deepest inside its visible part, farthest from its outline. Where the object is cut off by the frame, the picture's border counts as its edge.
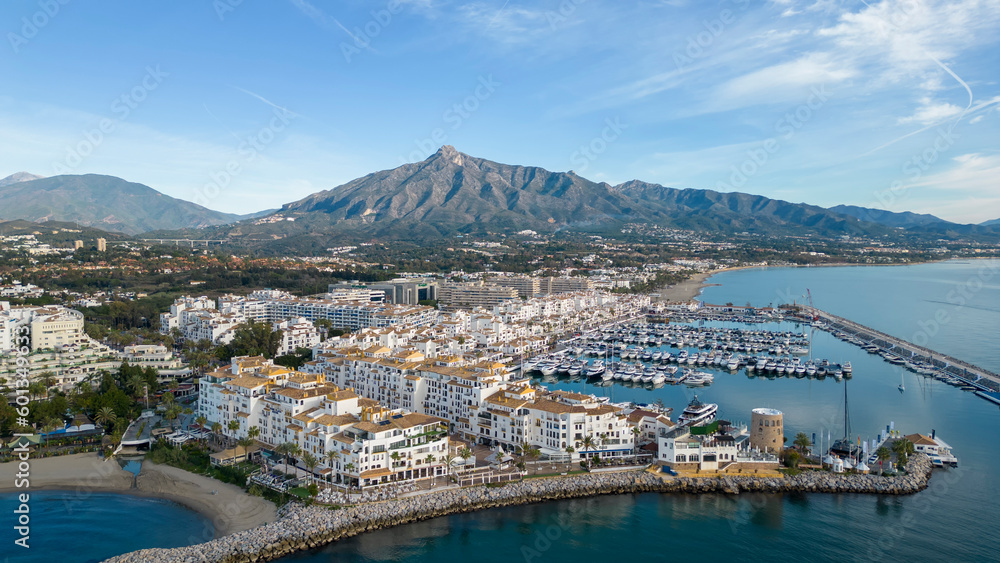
(217, 430)
(288, 449)
(106, 417)
(884, 454)
(245, 443)
(201, 420)
(348, 468)
(636, 432)
(588, 443)
(465, 453)
(51, 425)
(333, 456)
(448, 459)
(802, 442)
(233, 426)
(395, 459)
(136, 383)
(310, 462)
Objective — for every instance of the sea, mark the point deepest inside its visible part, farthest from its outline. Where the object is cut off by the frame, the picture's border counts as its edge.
(952, 307)
(74, 526)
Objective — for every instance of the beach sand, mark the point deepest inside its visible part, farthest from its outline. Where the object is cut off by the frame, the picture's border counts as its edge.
(230, 509)
(686, 290)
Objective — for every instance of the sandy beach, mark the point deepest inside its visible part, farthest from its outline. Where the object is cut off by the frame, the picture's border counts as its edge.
(688, 289)
(230, 509)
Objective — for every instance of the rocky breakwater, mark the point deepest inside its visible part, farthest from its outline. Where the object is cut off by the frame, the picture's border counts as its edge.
(301, 527)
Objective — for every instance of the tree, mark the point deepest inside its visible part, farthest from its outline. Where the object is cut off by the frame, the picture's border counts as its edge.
(588, 443)
(333, 456)
(106, 417)
(348, 468)
(254, 339)
(216, 430)
(310, 462)
(465, 453)
(792, 458)
(884, 454)
(245, 443)
(802, 442)
(636, 432)
(201, 420)
(233, 426)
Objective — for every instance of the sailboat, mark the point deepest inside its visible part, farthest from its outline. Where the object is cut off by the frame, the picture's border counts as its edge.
(901, 386)
(845, 446)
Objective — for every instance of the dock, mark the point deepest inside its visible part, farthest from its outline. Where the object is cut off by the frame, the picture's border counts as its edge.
(980, 378)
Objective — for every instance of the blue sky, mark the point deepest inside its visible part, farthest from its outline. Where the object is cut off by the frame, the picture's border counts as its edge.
(243, 106)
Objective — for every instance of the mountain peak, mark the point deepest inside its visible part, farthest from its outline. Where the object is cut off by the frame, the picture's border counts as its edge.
(18, 177)
(448, 152)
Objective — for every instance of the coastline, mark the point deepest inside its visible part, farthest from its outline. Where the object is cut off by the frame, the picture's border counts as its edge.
(307, 527)
(689, 289)
(229, 511)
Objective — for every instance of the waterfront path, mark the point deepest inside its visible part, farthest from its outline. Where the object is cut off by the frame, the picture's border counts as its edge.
(301, 527)
(977, 376)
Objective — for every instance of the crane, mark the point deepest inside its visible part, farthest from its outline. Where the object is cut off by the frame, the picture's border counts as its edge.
(809, 294)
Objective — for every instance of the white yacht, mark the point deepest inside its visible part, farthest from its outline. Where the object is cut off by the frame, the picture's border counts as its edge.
(699, 378)
(697, 412)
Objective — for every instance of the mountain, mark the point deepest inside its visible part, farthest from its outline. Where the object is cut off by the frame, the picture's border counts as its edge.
(104, 202)
(451, 193)
(735, 211)
(993, 223)
(18, 177)
(904, 219)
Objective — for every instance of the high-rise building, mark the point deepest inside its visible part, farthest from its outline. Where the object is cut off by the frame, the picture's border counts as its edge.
(102, 245)
(77, 244)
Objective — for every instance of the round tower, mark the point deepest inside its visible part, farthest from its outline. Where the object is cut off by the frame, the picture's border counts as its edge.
(766, 430)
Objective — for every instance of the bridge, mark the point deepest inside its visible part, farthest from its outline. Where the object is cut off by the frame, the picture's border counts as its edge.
(179, 241)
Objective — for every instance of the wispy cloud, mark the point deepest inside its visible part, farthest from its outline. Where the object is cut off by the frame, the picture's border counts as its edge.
(328, 22)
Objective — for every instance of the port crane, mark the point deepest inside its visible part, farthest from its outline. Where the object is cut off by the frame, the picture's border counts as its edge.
(809, 295)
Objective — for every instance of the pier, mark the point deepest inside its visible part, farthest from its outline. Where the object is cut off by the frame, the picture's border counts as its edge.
(978, 377)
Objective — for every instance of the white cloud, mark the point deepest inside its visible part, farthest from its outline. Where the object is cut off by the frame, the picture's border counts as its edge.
(781, 82)
(973, 173)
(931, 112)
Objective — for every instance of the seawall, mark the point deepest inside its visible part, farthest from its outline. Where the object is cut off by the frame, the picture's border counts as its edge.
(302, 528)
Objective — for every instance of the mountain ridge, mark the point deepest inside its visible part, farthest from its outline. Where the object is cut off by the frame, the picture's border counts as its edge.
(104, 202)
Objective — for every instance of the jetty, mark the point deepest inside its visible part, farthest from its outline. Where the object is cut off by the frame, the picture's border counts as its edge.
(980, 378)
(307, 527)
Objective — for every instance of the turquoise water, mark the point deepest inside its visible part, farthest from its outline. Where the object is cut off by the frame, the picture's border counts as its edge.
(954, 520)
(72, 527)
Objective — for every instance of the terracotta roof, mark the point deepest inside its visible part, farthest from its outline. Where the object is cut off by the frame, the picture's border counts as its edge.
(921, 440)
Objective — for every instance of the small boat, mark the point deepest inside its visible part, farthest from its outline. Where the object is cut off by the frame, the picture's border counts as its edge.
(901, 386)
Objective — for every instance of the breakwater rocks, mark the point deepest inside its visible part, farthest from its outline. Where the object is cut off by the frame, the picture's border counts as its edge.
(302, 527)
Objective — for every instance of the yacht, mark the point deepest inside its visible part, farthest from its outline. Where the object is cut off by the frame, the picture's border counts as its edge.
(846, 368)
(595, 369)
(699, 378)
(547, 368)
(697, 413)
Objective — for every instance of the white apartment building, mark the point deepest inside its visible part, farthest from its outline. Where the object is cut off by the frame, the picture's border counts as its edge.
(357, 440)
(295, 334)
(52, 327)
